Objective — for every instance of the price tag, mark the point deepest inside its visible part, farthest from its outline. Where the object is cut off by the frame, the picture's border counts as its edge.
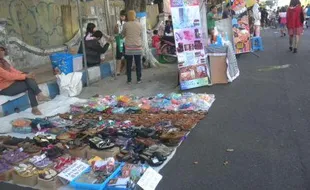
(155, 160)
(149, 179)
(73, 171)
(39, 127)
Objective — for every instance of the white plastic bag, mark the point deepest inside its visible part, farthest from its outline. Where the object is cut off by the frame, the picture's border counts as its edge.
(70, 84)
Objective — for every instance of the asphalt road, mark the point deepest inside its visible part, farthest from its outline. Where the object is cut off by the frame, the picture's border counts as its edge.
(263, 116)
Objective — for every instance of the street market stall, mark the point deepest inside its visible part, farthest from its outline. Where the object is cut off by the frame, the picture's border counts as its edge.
(203, 61)
(106, 142)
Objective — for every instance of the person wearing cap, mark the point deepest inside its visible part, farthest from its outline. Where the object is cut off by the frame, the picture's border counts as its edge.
(14, 82)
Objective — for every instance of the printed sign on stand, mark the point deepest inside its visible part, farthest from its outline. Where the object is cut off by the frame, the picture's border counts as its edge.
(190, 43)
(149, 179)
(73, 171)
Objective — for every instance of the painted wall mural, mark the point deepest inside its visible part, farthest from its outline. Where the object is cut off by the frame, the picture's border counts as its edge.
(36, 22)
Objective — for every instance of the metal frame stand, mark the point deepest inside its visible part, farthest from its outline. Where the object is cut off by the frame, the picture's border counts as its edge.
(83, 42)
(110, 30)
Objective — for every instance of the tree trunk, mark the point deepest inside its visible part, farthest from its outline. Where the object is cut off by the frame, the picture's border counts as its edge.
(140, 6)
(150, 59)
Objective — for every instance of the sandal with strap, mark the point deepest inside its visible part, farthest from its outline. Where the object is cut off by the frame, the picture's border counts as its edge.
(30, 148)
(154, 160)
(100, 144)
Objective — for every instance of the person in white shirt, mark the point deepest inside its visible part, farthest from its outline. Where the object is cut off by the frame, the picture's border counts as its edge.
(282, 16)
(257, 18)
(120, 48)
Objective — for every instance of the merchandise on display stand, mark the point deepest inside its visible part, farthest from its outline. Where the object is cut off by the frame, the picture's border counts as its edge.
(241, 27)
(190, 39)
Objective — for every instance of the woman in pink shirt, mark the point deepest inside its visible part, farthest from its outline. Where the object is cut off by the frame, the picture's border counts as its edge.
(13, 82)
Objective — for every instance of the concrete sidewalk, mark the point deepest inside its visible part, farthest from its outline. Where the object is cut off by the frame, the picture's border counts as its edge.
(155, 80)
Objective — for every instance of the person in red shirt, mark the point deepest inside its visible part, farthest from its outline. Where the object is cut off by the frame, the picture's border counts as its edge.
(13, 82)
(294, 23)
(155, 39)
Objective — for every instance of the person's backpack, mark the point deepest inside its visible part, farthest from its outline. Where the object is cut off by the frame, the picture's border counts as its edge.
(308, 12)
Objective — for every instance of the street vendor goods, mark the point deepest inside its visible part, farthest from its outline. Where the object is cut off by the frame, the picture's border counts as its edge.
(121, 136)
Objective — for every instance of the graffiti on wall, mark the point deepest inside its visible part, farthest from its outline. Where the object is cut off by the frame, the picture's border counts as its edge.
(37, 22)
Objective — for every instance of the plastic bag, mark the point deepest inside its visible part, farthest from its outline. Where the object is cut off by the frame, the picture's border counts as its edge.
(120, 43)
(70, 84)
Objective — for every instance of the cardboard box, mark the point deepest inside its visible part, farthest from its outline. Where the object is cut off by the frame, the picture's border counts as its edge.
(79, 152)
(103, 153)
(6, 176)
(49, 184)
(28, 181)
(218, 69)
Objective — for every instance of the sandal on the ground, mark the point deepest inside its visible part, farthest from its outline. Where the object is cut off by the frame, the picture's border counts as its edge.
(25, 170)
(127, 132)
(64, 137)
(29, 148)
(13, 142)
(174, 135)
(154, 160)
(3, 149)
(48, 174)
(4, 166)
(54, 152)
(100, 144)
(63, 162)
(128, 157)
(145, 132)
(44, 141)
(161, 148)
(56, 131)
(76, 143)
(146, 141)
(14, 157)
(41, 161)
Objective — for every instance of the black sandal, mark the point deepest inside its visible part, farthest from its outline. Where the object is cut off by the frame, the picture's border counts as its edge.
(155, 160)
(54, 152)
(100, 144)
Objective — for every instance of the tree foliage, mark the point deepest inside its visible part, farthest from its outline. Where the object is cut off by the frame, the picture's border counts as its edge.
(137, 5)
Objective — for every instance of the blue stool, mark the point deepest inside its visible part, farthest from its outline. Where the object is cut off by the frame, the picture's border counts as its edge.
(257, 44)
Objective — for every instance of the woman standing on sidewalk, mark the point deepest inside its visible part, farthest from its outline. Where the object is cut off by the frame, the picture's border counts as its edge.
(295, 19)
(132, 31)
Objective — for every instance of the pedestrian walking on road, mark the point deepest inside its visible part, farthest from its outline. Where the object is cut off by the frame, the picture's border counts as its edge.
(295, 20)
(282, 19)
(132, 31)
